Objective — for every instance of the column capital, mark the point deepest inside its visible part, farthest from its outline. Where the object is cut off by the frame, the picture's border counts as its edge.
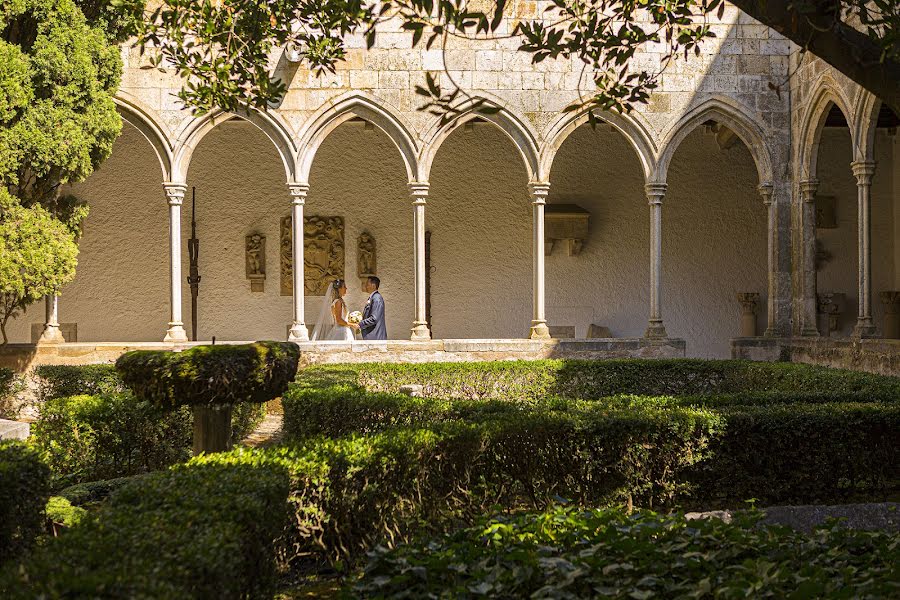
(419, 191)
(539, 191)
(655, 192)
(767, 191)
(863, 171)
(175, 192)
(298, 192)
(808, 188)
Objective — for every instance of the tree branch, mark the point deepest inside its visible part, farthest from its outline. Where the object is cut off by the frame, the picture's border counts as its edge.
(851, 52)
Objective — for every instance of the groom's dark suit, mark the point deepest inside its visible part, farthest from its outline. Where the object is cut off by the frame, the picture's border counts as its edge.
(372, 325)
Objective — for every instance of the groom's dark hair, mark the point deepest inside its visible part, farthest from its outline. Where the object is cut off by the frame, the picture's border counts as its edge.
(375, 281)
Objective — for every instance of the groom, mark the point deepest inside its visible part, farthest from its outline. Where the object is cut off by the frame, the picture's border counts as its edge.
(372, 325)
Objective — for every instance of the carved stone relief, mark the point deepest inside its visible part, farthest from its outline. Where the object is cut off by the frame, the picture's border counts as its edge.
(323, 254)
(255, 246)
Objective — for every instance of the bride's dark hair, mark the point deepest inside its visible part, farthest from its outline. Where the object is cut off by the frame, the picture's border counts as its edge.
(337, 284)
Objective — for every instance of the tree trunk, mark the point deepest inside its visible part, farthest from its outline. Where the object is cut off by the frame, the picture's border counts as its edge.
(212, 429)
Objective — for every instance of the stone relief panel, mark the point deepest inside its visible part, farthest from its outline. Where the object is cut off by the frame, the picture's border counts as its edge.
(323, 254)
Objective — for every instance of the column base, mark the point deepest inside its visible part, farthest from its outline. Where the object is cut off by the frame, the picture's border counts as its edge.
(51, 335)
(656, 330)
(864, 328)
(809, 332)
(539, 331)
(175, 333)
(298, 333)
(420, 332)
(771, 332)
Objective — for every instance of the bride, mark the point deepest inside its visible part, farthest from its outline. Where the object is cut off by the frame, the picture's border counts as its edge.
(332, 323)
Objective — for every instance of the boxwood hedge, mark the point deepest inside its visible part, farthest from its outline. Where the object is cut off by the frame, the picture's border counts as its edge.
(570, 553)
(24, 489)
(203, 531)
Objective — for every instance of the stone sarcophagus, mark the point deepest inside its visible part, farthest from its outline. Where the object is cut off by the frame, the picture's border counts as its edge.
(323, 254)
(567, 223)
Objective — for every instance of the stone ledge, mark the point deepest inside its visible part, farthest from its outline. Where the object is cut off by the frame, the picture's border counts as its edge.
(873, 355)
(14, 430)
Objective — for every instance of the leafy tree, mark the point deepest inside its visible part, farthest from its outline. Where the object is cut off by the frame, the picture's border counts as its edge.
(223, 47)
(59, 69)
(38, 255)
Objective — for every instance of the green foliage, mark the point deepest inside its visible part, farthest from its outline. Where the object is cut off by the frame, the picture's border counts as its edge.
(57, 116)
(190, 532)
(211, 375)
(86, 438)
(832, 442)
(63, 513)
(38, 255)
(94, 492)
(24, 489)
(7, 384)
(60, 381)
(351, 493)
(571, 553)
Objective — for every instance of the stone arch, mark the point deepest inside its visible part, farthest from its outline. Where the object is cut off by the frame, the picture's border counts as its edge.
(153, 131)
(826, 92)
(865, 120)
(514, 127)
(732, 116)
(343, 109)
(630, 126)
(196, 129)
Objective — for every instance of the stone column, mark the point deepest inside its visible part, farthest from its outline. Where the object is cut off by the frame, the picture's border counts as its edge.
(175, 196)
(539, 329)
(655, 194)
(808, 189)
(863, 170)
(51, 333)
(299, 332)
(891, 301)
(766, 192)
(419, 191)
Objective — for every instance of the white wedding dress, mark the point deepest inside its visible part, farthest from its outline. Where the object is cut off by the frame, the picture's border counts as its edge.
(340, 332)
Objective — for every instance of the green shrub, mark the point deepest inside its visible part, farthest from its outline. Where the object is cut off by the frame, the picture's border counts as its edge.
(93, 492)
(61, 381)
(526, 380)
(567, 553)
(771, 448)
(202, 531)
(88, 438)
(801, 453)
(351, 493)
(62, 513)
(24, 489)
(211, 375)
(10, 385)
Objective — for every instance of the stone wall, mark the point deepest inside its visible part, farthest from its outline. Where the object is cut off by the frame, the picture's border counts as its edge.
(872, 355)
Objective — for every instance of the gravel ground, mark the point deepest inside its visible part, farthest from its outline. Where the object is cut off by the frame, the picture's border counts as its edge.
(883, 515)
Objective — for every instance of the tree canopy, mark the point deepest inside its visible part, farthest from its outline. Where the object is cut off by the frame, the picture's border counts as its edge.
(38, 255)
(223, 47)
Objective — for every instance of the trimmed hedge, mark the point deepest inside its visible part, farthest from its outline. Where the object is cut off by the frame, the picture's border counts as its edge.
(24, 489)
(352, 493)
(527, 380)
(87, 438)
(768, 447)
(203, 531)
(211, 375)
(567, 553)
(62, 381)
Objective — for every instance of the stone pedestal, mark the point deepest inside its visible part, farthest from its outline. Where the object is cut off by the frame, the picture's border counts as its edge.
(749, 305)
(891, 301)
(212, 429)
(831, 305)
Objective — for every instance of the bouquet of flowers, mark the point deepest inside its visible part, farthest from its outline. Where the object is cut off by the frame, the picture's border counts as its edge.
(354, 317)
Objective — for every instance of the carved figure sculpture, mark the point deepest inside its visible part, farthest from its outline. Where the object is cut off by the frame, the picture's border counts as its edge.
(366, 260)
(255, 250)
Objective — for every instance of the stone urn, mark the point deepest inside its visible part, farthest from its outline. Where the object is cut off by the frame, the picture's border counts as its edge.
(749, 306)
(891, 301)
